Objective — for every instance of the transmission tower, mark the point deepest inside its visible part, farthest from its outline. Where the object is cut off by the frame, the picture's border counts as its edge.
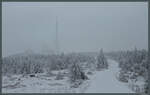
(57, 43)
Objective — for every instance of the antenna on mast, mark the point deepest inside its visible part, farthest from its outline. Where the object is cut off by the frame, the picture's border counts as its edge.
(57, 44)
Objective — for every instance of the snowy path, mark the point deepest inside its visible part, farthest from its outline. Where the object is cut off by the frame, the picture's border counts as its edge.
(106, 82)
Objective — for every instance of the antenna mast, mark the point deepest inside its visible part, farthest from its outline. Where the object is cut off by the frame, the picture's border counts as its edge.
(57, 44)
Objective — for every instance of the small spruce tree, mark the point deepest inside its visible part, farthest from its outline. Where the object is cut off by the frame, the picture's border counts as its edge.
(101, 61)
(76, 73)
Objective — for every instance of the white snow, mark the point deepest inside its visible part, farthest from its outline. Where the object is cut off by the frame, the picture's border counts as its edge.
(39, 84)
(106, 81)
(100, 82)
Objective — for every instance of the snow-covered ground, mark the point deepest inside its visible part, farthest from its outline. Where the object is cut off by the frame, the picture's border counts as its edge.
(41, 83)
(106, 81)
(99, 82)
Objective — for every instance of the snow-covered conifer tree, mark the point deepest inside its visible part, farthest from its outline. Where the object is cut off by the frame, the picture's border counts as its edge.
(76, 73)
(101, 61)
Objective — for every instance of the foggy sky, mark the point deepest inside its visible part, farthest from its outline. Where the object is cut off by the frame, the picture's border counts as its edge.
(82, 26)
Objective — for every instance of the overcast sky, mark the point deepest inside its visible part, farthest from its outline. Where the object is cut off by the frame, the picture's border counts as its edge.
(81, 26)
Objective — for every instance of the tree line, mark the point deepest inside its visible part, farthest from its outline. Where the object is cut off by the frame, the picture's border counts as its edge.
(38, 63)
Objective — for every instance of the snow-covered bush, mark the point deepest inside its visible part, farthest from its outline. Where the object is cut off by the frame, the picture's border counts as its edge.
(146, 87)
(59, 76)
(124, 77)
(89, 73)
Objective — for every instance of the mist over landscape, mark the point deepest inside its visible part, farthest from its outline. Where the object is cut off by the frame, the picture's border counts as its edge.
(82, 27)
(75, 47)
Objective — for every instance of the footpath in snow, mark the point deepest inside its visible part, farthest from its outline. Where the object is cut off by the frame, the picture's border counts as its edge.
(106, 81)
